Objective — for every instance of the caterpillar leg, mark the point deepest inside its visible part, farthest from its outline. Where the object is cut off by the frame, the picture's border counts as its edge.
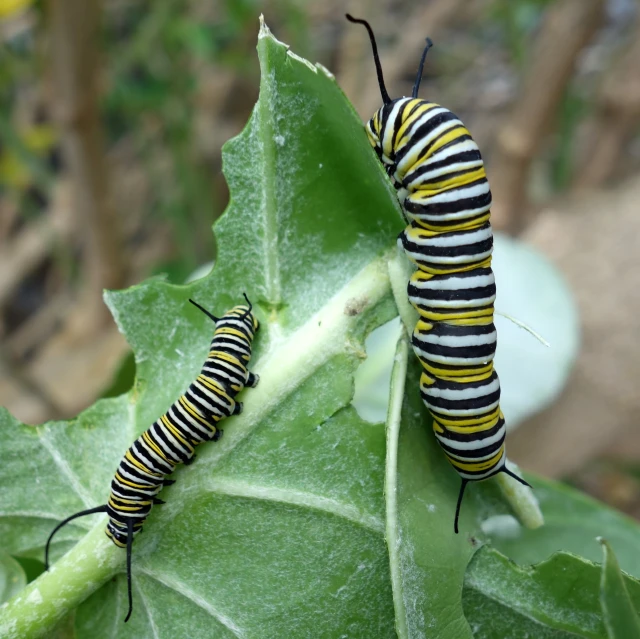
(460, 495)
(188, 462)
(158, 502)
(217, 435)
(168, 482)
(129, 543)
(64, 522)
(252, 380)
(237, 409)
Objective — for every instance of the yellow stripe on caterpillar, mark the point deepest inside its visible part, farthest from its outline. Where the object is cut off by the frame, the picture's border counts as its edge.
(186, 404)
(468, 430)
(455, 425)
(459, 226)
(477, 466)
(140, 466)
(175, 431)
(151, 444)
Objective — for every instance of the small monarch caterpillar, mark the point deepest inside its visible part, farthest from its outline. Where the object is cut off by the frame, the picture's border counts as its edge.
(439, 175)
(171, 439)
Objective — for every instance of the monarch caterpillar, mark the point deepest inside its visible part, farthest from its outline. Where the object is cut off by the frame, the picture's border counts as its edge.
(439, 175)
(171, 440)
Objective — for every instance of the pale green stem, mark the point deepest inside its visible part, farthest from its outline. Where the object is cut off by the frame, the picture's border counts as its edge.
(520, 498)
(400, 270)
(394, 415)
(44, 602)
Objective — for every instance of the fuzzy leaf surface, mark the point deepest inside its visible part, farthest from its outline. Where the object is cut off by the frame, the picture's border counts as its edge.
(556, 599)
(618, 610)
(277, 529)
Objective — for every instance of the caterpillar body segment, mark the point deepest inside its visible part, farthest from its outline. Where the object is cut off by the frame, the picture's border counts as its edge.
(438, 172)
(172, 439)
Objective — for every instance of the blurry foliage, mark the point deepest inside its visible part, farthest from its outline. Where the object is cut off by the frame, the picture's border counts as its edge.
(154, 57)
(154, 53)
(517, 21)
(157, 50)
(573, 110)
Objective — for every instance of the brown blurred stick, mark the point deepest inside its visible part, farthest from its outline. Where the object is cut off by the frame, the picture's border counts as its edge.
(616, 117)
(33, 244)
(567, 27)
(74, 28)
(354, 51)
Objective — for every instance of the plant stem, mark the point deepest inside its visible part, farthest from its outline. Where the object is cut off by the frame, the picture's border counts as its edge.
(393, 535)
(400, 270)
(44, 602)
(521, 499)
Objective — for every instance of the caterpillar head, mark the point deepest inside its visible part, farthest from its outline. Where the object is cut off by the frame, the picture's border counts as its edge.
(240, 315)
(255, 323)
(380, 136)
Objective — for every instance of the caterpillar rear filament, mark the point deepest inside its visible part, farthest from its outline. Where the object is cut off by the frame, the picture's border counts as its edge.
(171, 440)
(438, 171)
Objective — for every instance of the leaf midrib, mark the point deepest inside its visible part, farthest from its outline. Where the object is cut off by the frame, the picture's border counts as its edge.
(238, 488)
(268, 181)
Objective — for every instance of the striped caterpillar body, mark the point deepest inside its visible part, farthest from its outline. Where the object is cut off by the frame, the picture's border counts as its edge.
(439, 175)
(171, 439)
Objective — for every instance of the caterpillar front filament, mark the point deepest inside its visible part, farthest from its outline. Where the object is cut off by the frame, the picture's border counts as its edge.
(171, 440)
(438, 171)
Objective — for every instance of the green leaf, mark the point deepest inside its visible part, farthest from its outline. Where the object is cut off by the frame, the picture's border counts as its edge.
(572, 521)
(557, 598)
(12, 577)
(620, 614)
(427, 559)
(279, 527)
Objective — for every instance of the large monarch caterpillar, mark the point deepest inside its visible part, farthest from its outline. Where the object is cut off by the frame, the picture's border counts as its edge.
(438, 171)
(171, 440)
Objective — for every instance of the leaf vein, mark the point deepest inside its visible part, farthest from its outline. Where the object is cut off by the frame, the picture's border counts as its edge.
(239, 488)
(66, 471)
(180, 588)
(145, 603)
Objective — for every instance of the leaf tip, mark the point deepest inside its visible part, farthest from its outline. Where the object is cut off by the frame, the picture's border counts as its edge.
(264, 32)
(606, 549)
